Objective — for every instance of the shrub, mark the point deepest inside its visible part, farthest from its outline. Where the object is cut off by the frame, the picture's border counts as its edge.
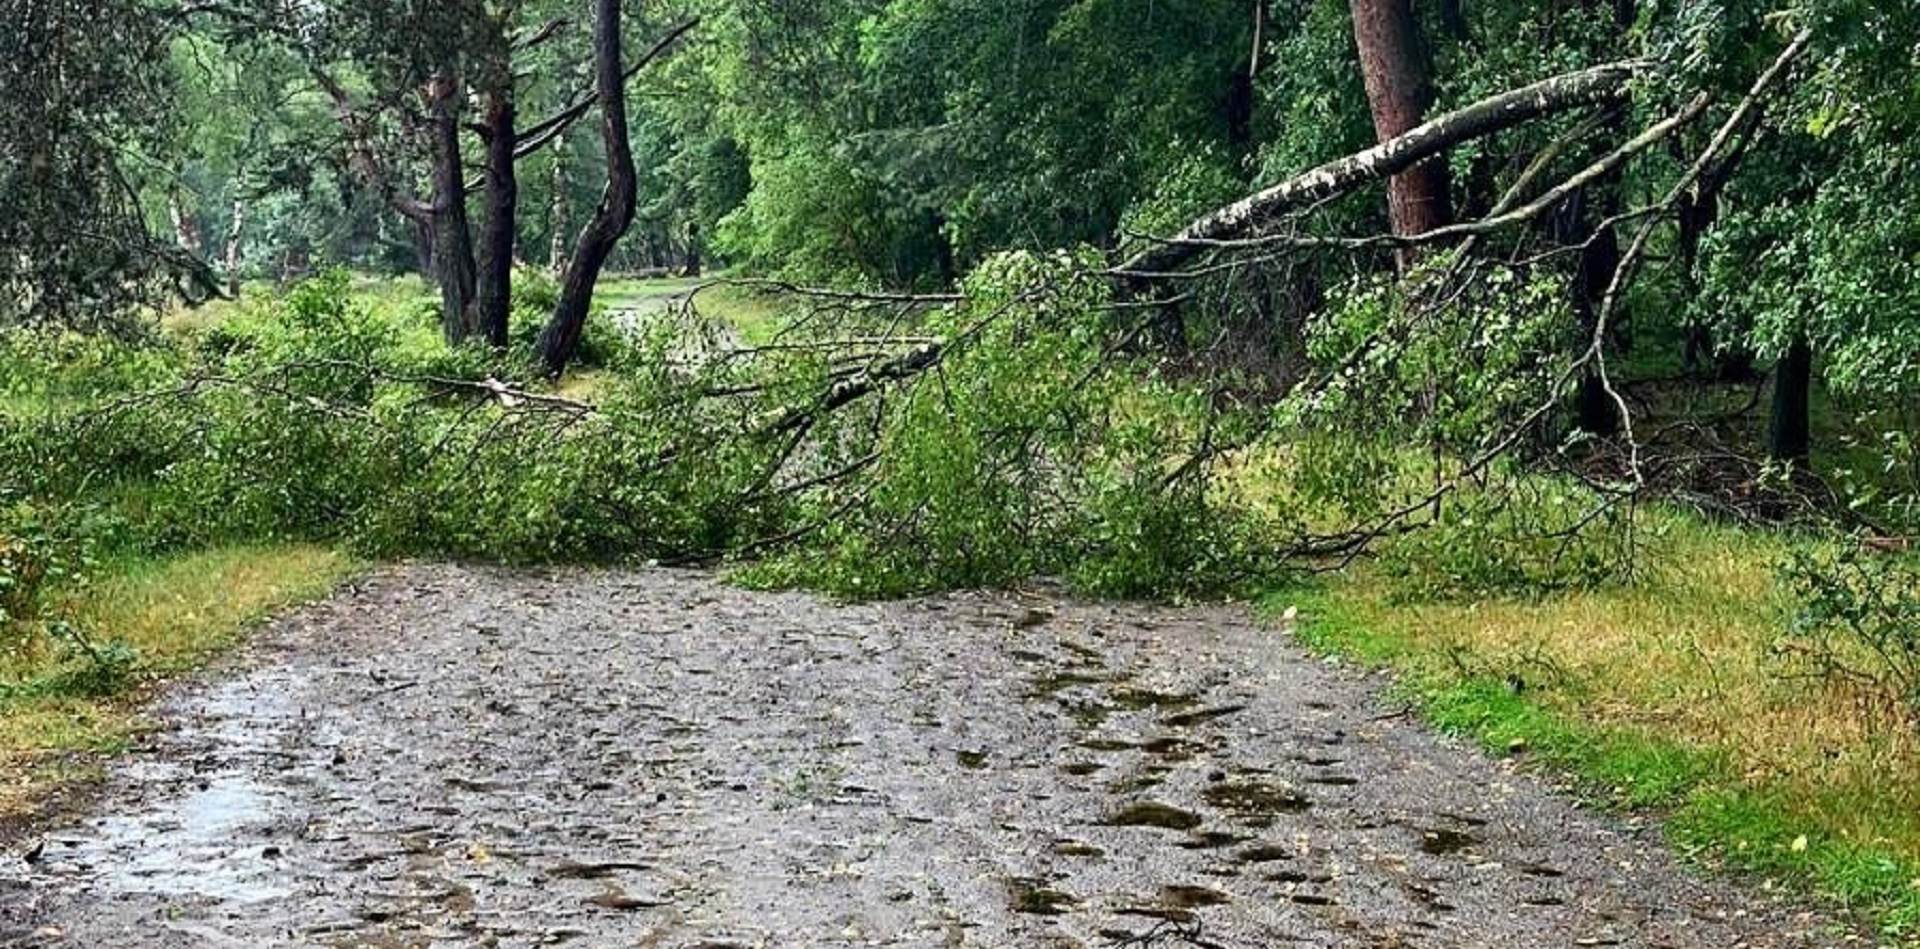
(1530, 537)
(39, 548)
(1857, 621)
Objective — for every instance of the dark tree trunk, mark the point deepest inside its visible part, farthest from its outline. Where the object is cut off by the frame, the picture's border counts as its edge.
(1590, 212)
(1394, 65)
(1241, 96)
(453, 242)
(1454, 20)
(694, 262)
(1790, 432)
(495, 292)
(1598, 413)
(561, 338)
(943, 260)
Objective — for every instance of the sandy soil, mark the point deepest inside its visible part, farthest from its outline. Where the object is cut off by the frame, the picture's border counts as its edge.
(451, 756)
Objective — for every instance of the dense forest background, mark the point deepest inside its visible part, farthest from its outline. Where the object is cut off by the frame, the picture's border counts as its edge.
(1563, 355)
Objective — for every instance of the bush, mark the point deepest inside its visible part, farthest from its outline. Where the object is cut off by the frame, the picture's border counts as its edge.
(1857, 622)
(1533, 537)
(39, 549)
(1032, 448)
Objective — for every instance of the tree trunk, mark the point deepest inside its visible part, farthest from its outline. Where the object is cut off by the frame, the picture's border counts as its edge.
(557, 213)
(1599, 241)
(452, 241)
(186, 227)
(1393, 63)
(494, 298)
(561, 338)
(235, 225)
(1597, 412)
(1790, 432)
(1241, 92)
(693, 249)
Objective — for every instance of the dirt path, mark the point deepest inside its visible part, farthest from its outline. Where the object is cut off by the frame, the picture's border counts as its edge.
(455, 757)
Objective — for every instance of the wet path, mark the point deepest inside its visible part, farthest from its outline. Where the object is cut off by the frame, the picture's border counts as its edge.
(462, 757)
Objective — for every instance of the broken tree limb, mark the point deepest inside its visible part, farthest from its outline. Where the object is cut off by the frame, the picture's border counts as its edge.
(1591, 86)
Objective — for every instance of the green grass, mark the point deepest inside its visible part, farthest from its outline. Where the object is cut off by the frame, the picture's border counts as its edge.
(1715, 806)
(756, 315)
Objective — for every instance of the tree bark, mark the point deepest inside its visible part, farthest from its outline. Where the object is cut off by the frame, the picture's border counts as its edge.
(494, 299)
(557, 214)
(452, 241)
(1598, 84)
(1241, 91)
(1790, 431)
(186, 227)
(1599, 243)
(561, 337)
(694, 262)
(1598, 413)
(1394, 66)
(235, 225)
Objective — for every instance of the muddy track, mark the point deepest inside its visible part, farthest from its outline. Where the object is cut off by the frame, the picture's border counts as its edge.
(450, 756)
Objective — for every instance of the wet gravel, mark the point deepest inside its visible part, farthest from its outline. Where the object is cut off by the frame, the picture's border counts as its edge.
(452, 756)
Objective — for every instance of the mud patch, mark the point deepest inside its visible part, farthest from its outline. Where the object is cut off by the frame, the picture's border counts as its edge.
(1255, 799)
(1154, 814)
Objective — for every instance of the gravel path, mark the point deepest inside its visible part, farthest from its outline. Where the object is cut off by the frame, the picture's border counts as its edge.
(452, 756)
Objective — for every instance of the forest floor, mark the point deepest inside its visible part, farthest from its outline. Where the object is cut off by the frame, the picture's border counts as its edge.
(465, 756)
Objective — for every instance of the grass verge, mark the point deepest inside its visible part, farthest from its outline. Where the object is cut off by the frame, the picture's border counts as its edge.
(1656, 698)
(169, 616)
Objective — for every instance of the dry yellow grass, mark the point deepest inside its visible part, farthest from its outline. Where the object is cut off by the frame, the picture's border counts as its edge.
(1684, 655)
(174, 613)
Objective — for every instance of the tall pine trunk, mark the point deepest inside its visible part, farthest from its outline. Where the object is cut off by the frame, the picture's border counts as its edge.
(557, 212)
(1394, 66)
(561, 337)
(452, 241)
(494, 298)
(236, 224)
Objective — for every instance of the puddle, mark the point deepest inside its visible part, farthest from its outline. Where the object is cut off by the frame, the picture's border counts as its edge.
(1134, 785)
(1264, 853)
(1255, 798)
(1081, 769)
(1185, 896)
(1441, 842)
(1153, 814)
(194, 845)
(1297, 876)
(971, 760)
(1077, 848)
(1136, 699)
(1334, 780)
(1032, 897)
(1053, 683)
(1213, 840)
(1173, 748)
(1089, 714)
(1201, 717)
